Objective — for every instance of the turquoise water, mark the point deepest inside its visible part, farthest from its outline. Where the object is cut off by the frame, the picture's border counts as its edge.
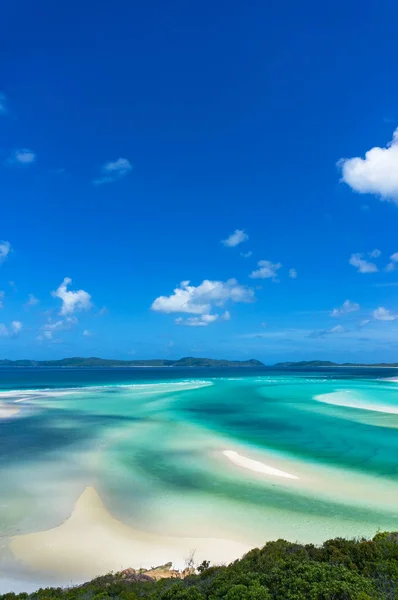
(160, 448)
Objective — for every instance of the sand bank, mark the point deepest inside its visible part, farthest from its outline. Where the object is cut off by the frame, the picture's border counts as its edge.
(92, 542)
(348, 400)
(306, 478)
(7, 411)
(256, 465)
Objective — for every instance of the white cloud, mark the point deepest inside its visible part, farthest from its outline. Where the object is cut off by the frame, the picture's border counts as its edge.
(23, 157)
(87, 333)
(337, 329)
(5, 249)
(114, 170)
(293, 273)
(345, 308)
(237, 237)
(364, 322)
(72, 301)
(199, 300)
(13, 330)
(392, 265)
(267, 270)
(3, 104)
(1, 299)
(383, 314)
(202, 321)
(246, 254)
(377, 173)
(375, 253)
(362, 265)
(32, 300)
(321, 333)
(48, 330)
(16, 327)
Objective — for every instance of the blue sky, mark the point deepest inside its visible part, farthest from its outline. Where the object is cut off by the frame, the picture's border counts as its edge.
(137, 138)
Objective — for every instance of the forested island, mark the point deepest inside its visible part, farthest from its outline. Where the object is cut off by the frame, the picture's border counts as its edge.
(328, 363)
(340, 569)
(155, 362)
(188, 361)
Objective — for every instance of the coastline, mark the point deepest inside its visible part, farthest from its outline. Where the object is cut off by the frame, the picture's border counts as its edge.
(173, 475)
(92, 541)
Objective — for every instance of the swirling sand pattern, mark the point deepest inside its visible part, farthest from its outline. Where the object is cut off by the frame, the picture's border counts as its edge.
(214, 462)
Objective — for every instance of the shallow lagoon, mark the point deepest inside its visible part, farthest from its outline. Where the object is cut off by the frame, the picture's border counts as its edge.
(188, 460)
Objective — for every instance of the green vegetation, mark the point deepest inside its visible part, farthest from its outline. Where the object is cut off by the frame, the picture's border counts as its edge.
(154, 362)
(188, 361)
(339, 570)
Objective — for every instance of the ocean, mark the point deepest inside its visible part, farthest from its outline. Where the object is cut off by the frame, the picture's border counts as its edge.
(102, 469)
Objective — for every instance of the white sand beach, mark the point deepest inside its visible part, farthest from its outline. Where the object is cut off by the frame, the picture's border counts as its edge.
(92, 542)
(255, 465)
(308, 478)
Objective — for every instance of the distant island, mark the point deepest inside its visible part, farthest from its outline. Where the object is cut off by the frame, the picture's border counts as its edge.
(155, 362)
(188, 361)
(328, 363)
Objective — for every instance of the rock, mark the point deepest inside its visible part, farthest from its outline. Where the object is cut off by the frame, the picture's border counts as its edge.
(128, 572)
(166, 567)
(139, 577)
(133, 576)
(161, 572)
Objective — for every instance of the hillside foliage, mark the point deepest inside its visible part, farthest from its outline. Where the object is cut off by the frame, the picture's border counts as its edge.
(340, 569)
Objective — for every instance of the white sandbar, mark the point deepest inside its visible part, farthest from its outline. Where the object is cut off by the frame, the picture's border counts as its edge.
(349, 401)
(255, 465)
(92, 542)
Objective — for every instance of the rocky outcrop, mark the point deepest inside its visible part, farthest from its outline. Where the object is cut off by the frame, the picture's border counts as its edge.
(161, 572)
(133, 576)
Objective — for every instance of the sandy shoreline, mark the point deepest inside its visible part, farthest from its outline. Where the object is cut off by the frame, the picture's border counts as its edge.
(92, 542)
